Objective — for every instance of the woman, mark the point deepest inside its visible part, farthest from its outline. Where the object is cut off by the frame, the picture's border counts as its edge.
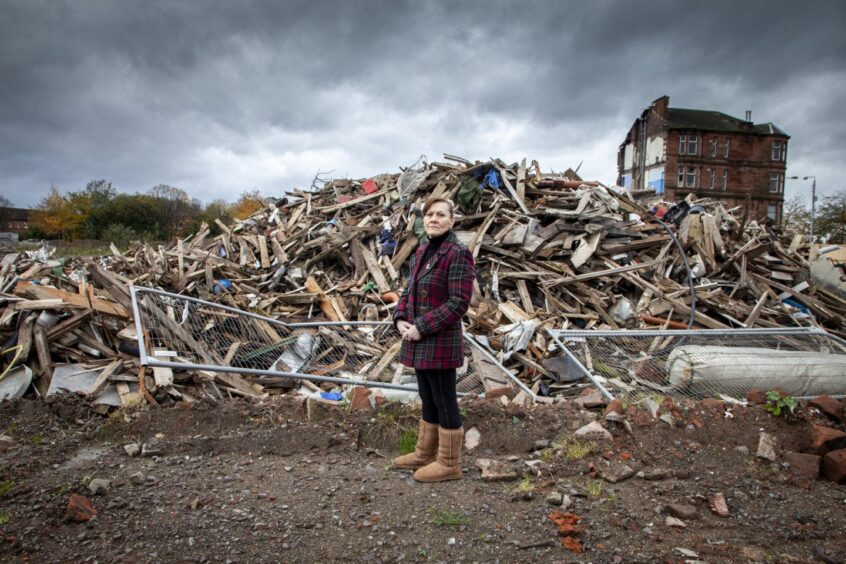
(428, 316)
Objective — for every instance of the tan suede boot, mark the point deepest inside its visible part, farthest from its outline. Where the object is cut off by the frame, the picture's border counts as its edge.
(424, 452)
(448, 464)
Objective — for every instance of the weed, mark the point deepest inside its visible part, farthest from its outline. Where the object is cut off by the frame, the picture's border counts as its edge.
(524, 486)
(575, 448)
(408, 441)
(594, 488)
(442, 518)
(37, 439)
(4, 518)
(776, 401)
(546, 454)
(6, 486)
(10, 428)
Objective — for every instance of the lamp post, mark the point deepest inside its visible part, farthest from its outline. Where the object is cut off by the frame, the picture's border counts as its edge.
(813, 202)
(813, 199)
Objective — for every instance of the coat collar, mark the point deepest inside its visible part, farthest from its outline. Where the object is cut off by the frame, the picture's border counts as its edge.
(451, 239)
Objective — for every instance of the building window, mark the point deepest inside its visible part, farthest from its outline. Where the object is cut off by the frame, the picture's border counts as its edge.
(726, 154)
(714, 147)
(778, 150)
(688, 144)
(772, 212)
(687, 177)
(712, 176)
(776, 183)
(725, 180)
(692, 144)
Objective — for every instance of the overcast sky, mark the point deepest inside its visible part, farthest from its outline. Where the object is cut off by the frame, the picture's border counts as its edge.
(221, 97)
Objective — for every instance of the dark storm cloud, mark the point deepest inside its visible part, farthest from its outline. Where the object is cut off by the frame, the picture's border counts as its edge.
(218, 97)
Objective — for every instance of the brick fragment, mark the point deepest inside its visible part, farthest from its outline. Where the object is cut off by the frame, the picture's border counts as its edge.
(834, 466)
(79, 509)
(822, 439)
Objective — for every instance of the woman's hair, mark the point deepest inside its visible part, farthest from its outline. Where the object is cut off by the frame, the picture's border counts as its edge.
(432, 201)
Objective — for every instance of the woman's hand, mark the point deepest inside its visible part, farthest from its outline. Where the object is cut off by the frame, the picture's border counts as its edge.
(412, 334)
(403, 326)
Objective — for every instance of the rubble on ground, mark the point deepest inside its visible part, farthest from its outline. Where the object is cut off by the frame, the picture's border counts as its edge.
(552, 251)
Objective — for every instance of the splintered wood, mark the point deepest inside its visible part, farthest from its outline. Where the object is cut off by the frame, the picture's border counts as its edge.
(551, 250)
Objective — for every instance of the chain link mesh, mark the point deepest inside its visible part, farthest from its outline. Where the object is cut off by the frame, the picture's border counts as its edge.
(191, 332)
(708, 363)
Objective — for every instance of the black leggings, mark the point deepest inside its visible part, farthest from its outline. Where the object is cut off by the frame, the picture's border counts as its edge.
(440, 401)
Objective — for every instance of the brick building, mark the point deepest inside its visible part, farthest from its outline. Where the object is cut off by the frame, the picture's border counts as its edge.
(15, 220)
(675, 152)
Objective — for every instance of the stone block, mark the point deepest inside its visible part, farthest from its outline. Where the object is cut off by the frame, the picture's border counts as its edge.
(834, 466)
(822, 439)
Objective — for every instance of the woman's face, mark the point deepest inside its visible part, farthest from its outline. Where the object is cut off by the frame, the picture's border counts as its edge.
(437, 220)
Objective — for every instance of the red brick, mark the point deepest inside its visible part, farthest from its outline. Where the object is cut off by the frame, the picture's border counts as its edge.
(360, 399)
(822, 439)
(834, 465)
(713, 405)
(506, 391)
(803, 465)
(614, 406)
(79, 509)
(828, 405)
(756, 396)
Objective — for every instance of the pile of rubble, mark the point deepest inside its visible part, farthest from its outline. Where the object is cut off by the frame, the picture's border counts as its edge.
(552, 251)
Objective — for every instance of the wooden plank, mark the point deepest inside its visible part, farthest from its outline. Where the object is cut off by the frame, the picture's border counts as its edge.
(351, 203)
(521, 180)
(265, 259)
(511, 190)
(385, 361)
(601, 273)
(36, 291)
(525, 297)
(113, 367)
(42, 349)
(372, 266)
(325, 305)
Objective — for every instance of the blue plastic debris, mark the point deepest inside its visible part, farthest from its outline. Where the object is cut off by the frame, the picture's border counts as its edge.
(222, 285)
(334, 396)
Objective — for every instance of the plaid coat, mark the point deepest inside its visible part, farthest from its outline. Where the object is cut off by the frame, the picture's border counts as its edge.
(437, 297)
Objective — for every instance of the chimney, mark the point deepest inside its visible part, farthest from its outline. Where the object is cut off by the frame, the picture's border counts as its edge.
(748, 116)
(660, 106)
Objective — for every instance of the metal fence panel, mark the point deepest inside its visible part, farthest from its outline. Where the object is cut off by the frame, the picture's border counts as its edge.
(802, 362)
(187, 333)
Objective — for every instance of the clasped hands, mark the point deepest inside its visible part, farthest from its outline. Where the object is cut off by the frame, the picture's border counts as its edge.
(408, 331)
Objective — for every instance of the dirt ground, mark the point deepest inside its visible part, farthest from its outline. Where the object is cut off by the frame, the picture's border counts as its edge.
(243, 481)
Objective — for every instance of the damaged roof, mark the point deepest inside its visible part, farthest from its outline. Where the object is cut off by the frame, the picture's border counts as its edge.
(682, 118)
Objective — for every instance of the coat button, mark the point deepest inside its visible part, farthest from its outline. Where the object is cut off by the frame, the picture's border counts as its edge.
(423, 293)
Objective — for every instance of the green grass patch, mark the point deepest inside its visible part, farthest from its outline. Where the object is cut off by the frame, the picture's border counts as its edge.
(37, 439)
(5, 487)
(4, 518)
(408, 441)
(526, 485)
(575, 448)
(594, 488)
(443, 518)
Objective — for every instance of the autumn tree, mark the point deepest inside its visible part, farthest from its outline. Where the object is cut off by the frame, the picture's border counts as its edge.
(248, 204)
(56, 217)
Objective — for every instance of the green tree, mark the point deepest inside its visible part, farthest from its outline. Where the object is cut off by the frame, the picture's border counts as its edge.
(57, 218)
(830, 221)
(177, 207)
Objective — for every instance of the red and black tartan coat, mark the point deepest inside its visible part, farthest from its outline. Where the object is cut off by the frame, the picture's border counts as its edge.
(437, 297)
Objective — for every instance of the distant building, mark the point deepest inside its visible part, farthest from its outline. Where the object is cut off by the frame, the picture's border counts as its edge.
(675, 152)
(15, 220)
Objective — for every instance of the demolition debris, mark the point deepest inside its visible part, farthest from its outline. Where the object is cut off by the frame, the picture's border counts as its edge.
(553, 253)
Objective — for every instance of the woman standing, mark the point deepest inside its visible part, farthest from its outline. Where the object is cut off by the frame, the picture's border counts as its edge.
(428, 316)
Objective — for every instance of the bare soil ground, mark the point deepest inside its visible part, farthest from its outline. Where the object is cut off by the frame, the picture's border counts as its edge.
(258, 481)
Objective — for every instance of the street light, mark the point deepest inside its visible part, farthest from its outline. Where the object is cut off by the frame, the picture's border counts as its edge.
(813, 199)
